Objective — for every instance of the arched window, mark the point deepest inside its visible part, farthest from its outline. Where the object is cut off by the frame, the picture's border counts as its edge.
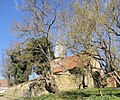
(96, 78)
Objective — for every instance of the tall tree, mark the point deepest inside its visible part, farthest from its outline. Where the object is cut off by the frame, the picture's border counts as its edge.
(38, 22)
(21, 59)
(91, 28)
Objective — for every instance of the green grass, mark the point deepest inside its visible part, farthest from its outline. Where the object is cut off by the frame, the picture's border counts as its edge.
(83, 94)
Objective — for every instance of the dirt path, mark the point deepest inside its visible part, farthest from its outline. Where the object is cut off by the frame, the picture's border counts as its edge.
(6, 97)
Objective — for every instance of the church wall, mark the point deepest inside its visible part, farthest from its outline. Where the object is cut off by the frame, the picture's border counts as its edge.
(66, 81)
(111, 82)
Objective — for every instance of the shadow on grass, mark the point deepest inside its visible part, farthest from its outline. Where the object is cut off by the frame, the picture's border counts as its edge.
(82, 94)
(73, 95)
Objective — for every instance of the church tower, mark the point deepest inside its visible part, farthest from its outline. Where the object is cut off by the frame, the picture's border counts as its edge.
(60, 51)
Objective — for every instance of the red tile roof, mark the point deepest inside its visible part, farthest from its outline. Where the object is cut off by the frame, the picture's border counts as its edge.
(57, 69)
(3, 83)
(67, 63)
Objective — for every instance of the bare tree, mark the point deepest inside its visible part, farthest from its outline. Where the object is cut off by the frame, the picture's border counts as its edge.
(92, 29)
(38, 21)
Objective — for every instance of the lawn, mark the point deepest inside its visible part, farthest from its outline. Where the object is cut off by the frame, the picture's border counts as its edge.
(83, 94)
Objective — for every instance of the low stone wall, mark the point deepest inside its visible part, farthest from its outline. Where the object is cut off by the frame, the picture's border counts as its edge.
(24, 90)
(64, 82)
